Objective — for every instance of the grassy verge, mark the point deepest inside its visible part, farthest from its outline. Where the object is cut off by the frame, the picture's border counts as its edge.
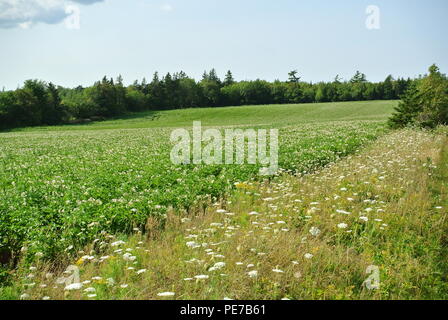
(295, 238)
(439, 190)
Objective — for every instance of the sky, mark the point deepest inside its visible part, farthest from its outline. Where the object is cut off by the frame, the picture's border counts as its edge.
(77, 42)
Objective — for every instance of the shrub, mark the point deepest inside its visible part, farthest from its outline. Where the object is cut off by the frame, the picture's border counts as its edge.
(425, 103)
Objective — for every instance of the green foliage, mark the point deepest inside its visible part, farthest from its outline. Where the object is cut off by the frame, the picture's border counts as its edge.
(425, 103)
(40, 104)
(36, 103)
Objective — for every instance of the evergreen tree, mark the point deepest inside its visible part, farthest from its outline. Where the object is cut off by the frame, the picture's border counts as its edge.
(292, 76)
(425, 103)
(229, 79)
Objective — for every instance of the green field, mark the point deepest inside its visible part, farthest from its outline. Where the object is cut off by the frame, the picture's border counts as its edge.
(105, 199)
(271, 115)
(62, 186)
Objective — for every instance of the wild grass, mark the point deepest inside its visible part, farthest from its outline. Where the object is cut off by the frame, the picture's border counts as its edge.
(309, 237)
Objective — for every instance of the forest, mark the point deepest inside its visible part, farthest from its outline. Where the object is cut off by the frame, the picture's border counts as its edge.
(40, 103)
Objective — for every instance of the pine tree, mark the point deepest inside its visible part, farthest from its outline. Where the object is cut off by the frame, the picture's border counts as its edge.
(425, 103)
(213, 76)
(292, 76)
(229, 79)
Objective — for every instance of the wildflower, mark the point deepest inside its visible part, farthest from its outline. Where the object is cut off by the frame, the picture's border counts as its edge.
(73, 286)
(89, 290)
(124, 286)
(216, 224)
(364, 219)
(253, 273)
(141, 271)
(192, 244)
(166, 294)
(117, 243)
(217, 266)
(46, 298)
(91, 295)
(342, 226)
(129, 257)
(24, 296)
(308, 255)
(276, 270)
(201, 277)
(315, 231)
(188, 279)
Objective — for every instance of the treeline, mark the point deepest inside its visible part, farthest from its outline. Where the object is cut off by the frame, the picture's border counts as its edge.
(425, 103)
(41, 103)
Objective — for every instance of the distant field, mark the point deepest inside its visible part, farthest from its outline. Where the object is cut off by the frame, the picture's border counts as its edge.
(244, 115)
(61, 186)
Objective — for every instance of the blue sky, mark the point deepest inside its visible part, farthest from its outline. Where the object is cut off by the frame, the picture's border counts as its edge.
(253, 38)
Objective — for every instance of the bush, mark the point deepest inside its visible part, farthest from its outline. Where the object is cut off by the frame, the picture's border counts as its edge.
(425, 103)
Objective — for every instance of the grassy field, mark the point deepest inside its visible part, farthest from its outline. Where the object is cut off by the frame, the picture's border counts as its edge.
(105, 198)
(270, 115)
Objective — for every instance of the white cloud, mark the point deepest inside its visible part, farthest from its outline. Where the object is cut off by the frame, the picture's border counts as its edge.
(26, 13)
